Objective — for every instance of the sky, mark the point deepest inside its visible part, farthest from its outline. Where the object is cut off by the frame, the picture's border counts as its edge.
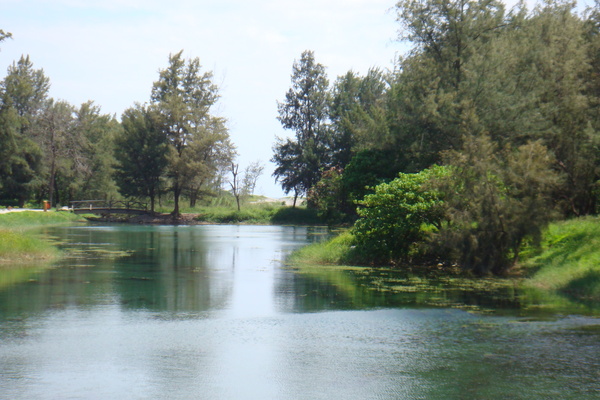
(111, 51)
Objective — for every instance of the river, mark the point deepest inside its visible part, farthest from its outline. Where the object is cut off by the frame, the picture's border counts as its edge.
(212, 312)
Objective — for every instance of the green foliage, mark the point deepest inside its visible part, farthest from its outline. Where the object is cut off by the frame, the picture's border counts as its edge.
(296, 216)
(23, 92)
(19, 246)
(31, 219)
(358, 115)
(367, 169)
(336, 251)
(198, 142)
(305, 111)
(569, 260)
(258, 213)
(93, 176)
(326, 197)
(495, 200)
(141, 154)
(395, 218)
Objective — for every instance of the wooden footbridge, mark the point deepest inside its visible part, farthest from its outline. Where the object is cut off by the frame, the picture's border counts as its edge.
(103, 207)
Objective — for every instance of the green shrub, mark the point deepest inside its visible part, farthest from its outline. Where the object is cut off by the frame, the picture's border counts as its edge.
(396, 217)
(296, 216)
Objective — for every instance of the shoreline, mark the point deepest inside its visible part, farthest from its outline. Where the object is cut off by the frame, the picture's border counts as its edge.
(155, 219)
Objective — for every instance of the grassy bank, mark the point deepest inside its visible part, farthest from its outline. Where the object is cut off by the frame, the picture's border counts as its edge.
(18, 245)
(563, 274)
(266, 213)
(569, 261)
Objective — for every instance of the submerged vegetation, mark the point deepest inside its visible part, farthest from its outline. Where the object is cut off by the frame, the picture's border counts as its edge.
(563, 273)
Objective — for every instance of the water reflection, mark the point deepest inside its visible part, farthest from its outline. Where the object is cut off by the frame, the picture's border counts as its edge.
(211, 312)
(191, 269)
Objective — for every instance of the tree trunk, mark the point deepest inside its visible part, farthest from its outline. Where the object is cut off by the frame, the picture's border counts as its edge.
(152, 195)
(51, 183)
(176, 194)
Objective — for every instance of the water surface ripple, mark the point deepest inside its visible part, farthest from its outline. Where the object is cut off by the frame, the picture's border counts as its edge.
(211, 312)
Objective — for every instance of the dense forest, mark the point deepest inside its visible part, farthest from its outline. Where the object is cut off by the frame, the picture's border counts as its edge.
(483, 133)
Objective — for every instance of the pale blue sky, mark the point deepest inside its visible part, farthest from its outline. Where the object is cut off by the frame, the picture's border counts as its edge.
(110, 51)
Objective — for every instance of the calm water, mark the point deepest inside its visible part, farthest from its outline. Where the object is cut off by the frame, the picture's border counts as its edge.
(210, 312)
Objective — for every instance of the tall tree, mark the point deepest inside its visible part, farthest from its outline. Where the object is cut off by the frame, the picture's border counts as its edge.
(358, 115)
(141, 154)
(305, 111)
(93, 165)
(20, 159)
(433, 109)
(496, 198)
(56, 136)
(22, 94)
(251, 175)
(209, 152)
(182, 98)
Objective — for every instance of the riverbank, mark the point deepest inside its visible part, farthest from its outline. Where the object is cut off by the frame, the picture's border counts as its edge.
(566, 269)
(568, 262)
(18, 245)
(263, 213)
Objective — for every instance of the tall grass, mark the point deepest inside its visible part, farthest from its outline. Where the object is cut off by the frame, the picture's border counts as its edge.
(569, 261)
(260, 213)
(31, 219)
(18, 245)
(336, 251)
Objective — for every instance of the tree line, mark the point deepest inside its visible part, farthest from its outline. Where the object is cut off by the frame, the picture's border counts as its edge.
(484, 131)
(171, 147)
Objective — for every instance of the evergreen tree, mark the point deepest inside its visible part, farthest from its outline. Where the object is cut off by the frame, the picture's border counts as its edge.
(431, 107)
(22, 95)
(141, 154)
(94, 169)
(55, 134)
(495, 199)
(358, 115)
(305, 111)
(182, 98)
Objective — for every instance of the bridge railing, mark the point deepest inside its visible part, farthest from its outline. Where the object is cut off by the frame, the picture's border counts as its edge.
(92, 205)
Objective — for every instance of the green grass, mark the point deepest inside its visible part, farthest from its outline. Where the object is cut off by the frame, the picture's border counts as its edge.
(223, 210)
(569, 261)
(24, 248)
(262, 213)
(31, 219)
(20, 246)
(564, 274)
(332, 252)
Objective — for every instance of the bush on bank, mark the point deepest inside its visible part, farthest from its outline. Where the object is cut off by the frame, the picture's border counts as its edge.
(567, 263)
